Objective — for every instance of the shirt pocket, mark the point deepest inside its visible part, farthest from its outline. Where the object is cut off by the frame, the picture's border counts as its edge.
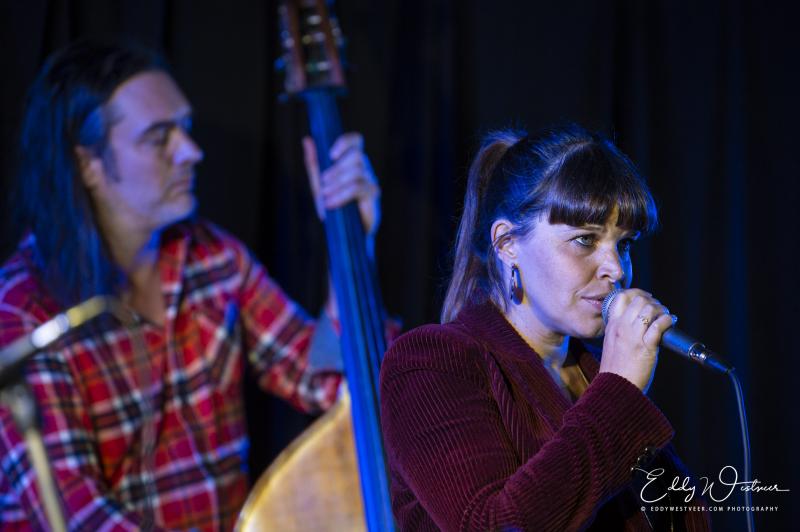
(220, 346)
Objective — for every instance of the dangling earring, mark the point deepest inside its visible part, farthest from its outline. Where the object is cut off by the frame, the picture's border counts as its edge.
(515, 294)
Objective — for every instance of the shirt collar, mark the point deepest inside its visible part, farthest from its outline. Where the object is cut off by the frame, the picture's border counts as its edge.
(172, 258)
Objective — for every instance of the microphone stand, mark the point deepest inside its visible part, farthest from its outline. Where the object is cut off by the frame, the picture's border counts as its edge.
(17, 397)
(20, 401)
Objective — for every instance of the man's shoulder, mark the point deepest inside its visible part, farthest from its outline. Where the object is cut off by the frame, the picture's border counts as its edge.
(23, 302)
(18, 275)
(14, 269)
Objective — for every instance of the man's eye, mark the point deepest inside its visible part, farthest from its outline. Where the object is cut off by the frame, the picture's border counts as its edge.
(159, 137)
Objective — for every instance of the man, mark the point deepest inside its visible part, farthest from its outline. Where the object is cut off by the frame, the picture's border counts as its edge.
(145, 425)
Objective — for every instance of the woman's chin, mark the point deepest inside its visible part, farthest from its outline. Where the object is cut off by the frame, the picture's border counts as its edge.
(592, 331)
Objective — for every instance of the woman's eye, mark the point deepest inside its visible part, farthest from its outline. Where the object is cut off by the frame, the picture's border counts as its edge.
(586, 240)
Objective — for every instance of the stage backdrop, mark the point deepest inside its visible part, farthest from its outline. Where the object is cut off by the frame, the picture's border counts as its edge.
(701, 95)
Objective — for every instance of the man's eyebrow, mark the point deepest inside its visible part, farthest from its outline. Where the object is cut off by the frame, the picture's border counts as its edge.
(167, 124)
(161, 124)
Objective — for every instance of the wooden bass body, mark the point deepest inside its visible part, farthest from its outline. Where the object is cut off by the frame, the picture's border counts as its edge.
(313, 484)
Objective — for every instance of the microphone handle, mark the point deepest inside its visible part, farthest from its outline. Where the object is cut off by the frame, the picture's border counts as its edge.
(679, 342)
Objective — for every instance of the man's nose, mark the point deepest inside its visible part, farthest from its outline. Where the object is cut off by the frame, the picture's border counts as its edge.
(187, 150)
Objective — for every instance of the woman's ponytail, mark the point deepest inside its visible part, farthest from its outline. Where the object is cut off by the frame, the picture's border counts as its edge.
(469, 264)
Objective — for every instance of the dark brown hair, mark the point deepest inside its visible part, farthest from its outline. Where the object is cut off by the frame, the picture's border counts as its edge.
(568, 174)
(66, 107)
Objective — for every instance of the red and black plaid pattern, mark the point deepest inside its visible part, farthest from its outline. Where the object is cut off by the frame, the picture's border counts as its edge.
(95, 391)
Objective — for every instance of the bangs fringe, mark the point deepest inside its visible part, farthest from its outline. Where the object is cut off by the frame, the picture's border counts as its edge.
(590, 183)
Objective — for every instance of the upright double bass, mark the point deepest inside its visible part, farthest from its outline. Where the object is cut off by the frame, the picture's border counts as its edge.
(314, 484)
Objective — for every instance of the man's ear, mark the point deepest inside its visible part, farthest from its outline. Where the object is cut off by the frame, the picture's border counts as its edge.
(91, 167)
(505, 244)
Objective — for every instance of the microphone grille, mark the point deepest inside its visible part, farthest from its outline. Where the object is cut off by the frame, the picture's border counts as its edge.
(607, 303)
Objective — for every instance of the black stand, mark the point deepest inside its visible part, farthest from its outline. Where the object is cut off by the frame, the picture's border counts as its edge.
(18, 398)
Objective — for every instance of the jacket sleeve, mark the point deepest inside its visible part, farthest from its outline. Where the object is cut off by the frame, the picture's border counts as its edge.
(446, 439)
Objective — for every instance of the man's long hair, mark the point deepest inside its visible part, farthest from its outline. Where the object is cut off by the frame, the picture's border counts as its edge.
(66, 108)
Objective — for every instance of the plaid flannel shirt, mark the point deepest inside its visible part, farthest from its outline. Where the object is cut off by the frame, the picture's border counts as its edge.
(95, 389)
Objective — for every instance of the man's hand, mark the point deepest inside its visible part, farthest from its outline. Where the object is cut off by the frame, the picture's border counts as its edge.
(350, 178)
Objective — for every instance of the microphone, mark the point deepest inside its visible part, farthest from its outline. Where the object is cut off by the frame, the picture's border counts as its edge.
(680, 342)
(13, 355)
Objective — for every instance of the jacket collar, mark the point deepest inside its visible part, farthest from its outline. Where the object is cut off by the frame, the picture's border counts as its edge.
(520, 363)
(487, 324)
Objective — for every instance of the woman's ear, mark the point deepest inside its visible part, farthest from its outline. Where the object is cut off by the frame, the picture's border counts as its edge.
(90, 166)
(504, 243)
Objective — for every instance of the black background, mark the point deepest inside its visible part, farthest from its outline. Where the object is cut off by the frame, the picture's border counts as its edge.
(701, 95)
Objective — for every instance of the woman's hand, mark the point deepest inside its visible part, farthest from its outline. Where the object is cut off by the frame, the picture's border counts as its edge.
(636, 321)
(349, 178)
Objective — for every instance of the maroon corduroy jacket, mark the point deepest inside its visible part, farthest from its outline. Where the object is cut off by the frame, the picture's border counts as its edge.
(479, 437)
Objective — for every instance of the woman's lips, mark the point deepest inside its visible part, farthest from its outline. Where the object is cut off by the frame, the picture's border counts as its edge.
(596, 303)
